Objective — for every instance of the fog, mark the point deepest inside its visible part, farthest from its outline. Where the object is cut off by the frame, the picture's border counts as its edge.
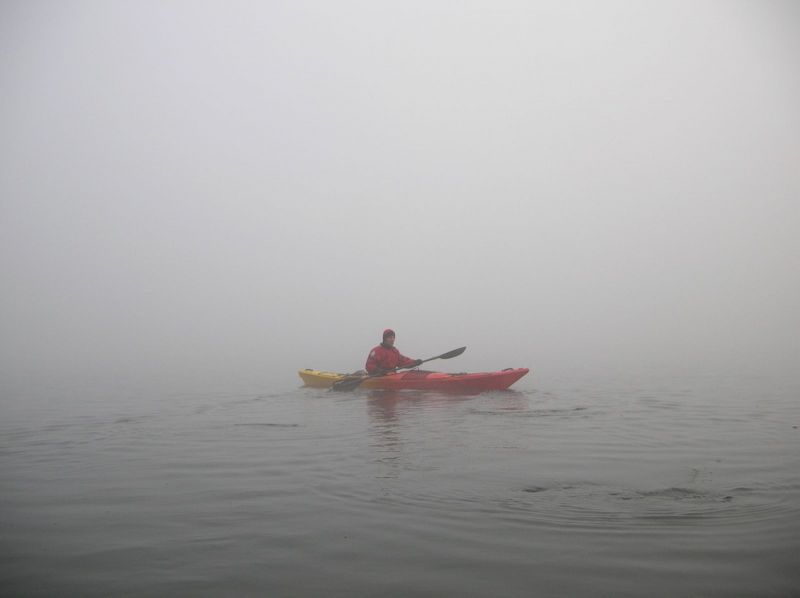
(225, 192)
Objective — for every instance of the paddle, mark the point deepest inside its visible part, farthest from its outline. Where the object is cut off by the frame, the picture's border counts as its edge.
(351, 383)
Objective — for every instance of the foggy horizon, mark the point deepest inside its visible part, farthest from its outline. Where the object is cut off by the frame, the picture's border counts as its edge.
(202, 192)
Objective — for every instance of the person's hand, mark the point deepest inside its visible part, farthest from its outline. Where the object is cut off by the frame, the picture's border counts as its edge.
(417, 362)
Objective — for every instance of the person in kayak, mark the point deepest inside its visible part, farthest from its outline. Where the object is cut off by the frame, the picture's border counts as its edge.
(386, 357)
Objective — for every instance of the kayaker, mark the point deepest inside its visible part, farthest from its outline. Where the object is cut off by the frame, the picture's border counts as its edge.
(386, 357)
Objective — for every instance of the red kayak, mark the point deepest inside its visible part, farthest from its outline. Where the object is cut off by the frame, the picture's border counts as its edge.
(423, 380)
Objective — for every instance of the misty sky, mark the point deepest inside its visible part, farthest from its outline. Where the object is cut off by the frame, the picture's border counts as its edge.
(236, 190)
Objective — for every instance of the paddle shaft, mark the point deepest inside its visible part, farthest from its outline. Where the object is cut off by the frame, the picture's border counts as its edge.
(448, 355)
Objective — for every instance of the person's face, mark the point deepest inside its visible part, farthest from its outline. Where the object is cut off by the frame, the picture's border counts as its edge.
(389, 341)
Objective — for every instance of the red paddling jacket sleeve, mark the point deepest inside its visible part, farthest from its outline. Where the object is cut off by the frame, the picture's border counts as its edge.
(386, 358)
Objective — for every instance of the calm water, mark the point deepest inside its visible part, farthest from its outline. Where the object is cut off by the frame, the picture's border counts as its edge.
(562, 488)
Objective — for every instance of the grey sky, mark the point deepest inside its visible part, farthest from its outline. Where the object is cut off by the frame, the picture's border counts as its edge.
(236, 190)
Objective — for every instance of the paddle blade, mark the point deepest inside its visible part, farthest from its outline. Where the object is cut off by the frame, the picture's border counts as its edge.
(451, 354)
(348, 384)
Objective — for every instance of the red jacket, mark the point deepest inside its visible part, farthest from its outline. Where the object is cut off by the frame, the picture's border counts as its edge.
(386, 358)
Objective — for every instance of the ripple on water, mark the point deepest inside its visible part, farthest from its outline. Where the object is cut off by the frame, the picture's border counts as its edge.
(590, 505)
(531, 412)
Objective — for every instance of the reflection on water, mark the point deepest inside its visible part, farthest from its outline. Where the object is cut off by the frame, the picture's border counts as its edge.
(384, 405)
(386, 436)
(390, 434)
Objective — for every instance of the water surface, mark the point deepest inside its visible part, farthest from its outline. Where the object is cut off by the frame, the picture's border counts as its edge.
(560, 488)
